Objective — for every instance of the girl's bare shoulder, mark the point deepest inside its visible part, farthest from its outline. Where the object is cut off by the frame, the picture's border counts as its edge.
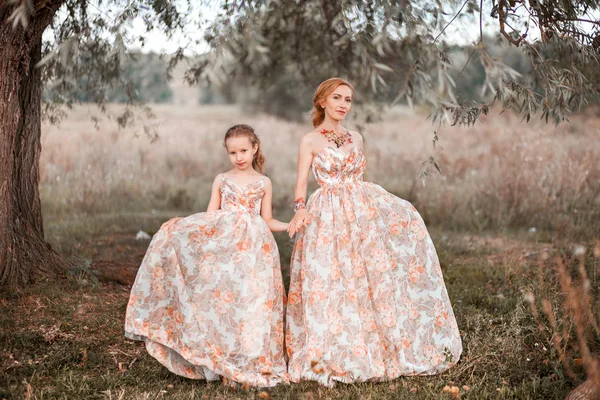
(219, 177)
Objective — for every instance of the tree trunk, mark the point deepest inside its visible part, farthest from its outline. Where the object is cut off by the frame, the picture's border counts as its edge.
(23, 251)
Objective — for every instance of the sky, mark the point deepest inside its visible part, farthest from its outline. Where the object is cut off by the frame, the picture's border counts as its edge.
(463, 31)
(459, 32)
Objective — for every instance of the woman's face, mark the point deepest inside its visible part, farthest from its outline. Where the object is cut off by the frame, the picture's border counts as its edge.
(339, 103)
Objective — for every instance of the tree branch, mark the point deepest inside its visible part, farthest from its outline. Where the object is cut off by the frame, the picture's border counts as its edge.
(480, 21)
(502, 8)
(582, 20)
(452, 20)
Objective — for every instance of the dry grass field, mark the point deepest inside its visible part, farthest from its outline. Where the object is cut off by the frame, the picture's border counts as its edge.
(513, 202)
(499, 175)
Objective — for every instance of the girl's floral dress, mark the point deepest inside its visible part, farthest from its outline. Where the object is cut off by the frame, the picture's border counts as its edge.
(208, 299)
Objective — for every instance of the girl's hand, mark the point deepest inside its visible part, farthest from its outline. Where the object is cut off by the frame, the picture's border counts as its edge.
(298, 222)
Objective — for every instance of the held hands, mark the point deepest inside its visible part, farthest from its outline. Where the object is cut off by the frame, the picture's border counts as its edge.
(298, 222)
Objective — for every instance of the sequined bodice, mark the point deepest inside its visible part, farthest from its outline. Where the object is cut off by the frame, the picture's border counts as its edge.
(246, 198)
(333, 166)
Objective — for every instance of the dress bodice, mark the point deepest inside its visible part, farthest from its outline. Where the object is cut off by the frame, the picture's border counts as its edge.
(334, 166)
(247, 198)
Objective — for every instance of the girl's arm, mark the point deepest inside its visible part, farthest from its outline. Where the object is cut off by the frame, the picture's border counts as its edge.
(305, 158)
(266, 210)
(215, 196)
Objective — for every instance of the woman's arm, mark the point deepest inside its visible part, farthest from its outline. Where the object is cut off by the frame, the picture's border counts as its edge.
(266, 210)
(305, 158)
(215, 196)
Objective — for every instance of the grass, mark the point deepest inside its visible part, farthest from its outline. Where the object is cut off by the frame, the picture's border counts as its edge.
(62, 338)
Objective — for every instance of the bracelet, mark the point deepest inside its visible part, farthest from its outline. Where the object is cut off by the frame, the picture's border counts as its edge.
(299, 204)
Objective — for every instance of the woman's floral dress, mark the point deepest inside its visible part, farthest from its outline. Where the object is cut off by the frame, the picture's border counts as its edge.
(367, 299)
(208, 299)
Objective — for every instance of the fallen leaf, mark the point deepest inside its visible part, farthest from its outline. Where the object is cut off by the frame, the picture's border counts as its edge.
(454, 391)
(28, 390)
(84, 358)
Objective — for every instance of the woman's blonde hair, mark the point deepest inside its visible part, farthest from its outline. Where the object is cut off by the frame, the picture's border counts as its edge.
(324, 90)
(246, 130)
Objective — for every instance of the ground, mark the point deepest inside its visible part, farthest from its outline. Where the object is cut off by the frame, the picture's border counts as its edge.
(63, 337)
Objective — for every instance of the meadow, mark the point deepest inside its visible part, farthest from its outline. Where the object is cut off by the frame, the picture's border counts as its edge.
(499, 175)
(513, 203)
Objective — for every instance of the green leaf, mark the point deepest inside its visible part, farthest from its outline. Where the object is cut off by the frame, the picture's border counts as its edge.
(383, 67)
(47, 58)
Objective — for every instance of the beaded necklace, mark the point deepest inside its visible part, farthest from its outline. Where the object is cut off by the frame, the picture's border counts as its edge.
(338, 139)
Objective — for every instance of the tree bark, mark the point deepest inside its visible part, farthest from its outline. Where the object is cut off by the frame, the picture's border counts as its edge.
(23, 251)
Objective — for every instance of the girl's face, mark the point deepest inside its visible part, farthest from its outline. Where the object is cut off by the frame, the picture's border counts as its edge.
(241, 152)
(339, 103)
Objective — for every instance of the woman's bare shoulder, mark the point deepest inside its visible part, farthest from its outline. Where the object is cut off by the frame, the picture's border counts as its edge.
(309, 138)
(311, 135)
(356, 137)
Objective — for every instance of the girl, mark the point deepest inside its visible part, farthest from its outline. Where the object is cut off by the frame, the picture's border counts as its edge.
(367, 299)
(208, 298)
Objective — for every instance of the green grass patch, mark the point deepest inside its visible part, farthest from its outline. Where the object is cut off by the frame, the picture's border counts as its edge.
(62, 338)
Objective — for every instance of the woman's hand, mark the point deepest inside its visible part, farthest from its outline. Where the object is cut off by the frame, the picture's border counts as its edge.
(298, 222)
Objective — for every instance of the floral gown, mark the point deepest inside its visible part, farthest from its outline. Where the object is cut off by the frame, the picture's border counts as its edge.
(367, 299)
(208, 298)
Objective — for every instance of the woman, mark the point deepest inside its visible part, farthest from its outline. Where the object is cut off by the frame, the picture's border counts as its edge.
(367, 299)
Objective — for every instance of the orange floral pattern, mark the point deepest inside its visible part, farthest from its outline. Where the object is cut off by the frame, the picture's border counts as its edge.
(367, 299)
(208, 299)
